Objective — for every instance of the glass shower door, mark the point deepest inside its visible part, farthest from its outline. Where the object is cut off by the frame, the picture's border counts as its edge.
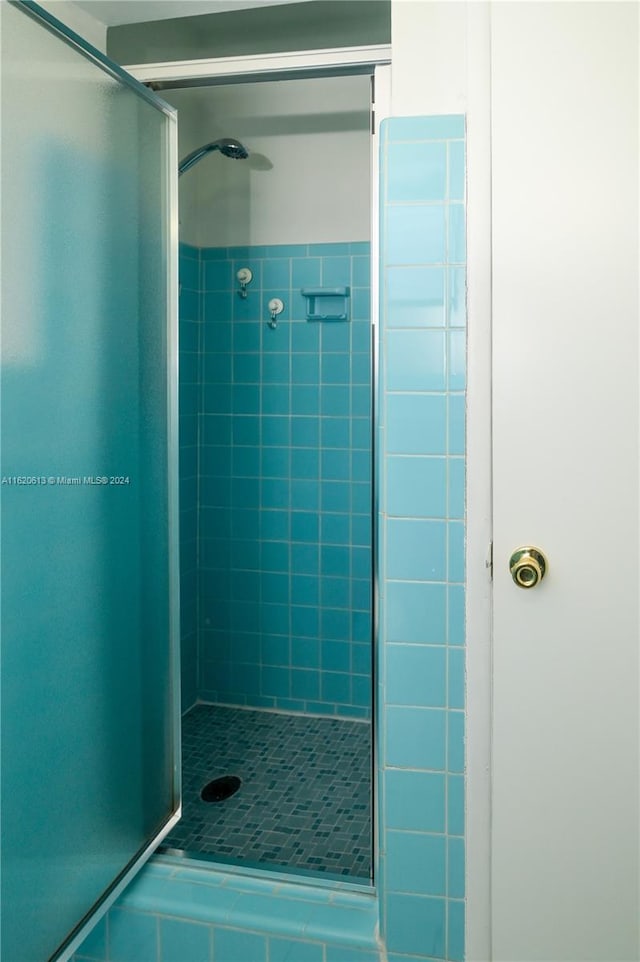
(89, 710)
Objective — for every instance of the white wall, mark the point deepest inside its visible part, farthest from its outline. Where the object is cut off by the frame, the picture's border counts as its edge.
(78, 20)
(429, 71)
(307, 178)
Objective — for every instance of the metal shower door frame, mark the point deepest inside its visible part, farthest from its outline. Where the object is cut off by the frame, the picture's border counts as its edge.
(297, 65)
(374, 61)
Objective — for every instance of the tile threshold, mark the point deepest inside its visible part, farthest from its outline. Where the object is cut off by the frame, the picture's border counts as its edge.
(268, 902)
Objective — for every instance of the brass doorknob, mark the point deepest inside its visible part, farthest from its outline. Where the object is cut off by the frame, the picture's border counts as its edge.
(528, 566)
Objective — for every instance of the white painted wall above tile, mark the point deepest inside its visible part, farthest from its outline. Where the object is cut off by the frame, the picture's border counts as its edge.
(308, 172)
(429, 57)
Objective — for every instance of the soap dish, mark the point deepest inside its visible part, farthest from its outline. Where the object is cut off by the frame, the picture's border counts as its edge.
(327, 303)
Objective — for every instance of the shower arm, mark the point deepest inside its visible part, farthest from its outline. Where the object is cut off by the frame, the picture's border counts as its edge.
(194, 157)
(226, 145)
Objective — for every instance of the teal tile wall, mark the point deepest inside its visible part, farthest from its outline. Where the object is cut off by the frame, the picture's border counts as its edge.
(189, 386)
(421, 475)
(285, 484)
(173, 913)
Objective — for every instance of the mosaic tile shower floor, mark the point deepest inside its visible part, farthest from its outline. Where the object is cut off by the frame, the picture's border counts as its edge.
(305, 798)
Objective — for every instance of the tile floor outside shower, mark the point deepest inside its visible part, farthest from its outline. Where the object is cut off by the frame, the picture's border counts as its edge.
(305, 797)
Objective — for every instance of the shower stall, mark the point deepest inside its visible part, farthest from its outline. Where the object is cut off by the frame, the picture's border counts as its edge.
(275, 475)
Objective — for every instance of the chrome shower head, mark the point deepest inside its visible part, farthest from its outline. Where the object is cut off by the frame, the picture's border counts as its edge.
(226, 145)
(232, 148)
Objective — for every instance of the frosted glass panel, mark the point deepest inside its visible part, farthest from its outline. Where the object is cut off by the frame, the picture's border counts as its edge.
(88, 704)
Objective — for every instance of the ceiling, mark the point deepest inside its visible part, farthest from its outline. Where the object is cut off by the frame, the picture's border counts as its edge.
(115, 12)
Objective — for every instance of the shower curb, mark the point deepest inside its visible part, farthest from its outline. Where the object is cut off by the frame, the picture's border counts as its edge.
(327, 913)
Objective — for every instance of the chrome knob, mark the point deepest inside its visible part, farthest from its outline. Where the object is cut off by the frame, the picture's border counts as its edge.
(528, 566)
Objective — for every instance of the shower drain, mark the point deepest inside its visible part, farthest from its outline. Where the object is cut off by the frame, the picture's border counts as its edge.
(220, 788)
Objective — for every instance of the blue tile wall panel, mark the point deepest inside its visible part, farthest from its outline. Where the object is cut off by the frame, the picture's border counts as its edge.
(421, 398)
(285, 484)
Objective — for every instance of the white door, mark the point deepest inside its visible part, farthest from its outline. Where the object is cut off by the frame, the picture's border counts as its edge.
(565, 165)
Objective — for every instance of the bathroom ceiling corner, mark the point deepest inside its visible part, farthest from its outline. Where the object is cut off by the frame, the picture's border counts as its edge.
(117, 12)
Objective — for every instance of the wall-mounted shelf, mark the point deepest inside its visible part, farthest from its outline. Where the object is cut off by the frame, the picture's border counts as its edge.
(327, 303)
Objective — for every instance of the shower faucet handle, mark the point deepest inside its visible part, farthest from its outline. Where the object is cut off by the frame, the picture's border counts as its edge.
(244, 276)
(276, 306)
